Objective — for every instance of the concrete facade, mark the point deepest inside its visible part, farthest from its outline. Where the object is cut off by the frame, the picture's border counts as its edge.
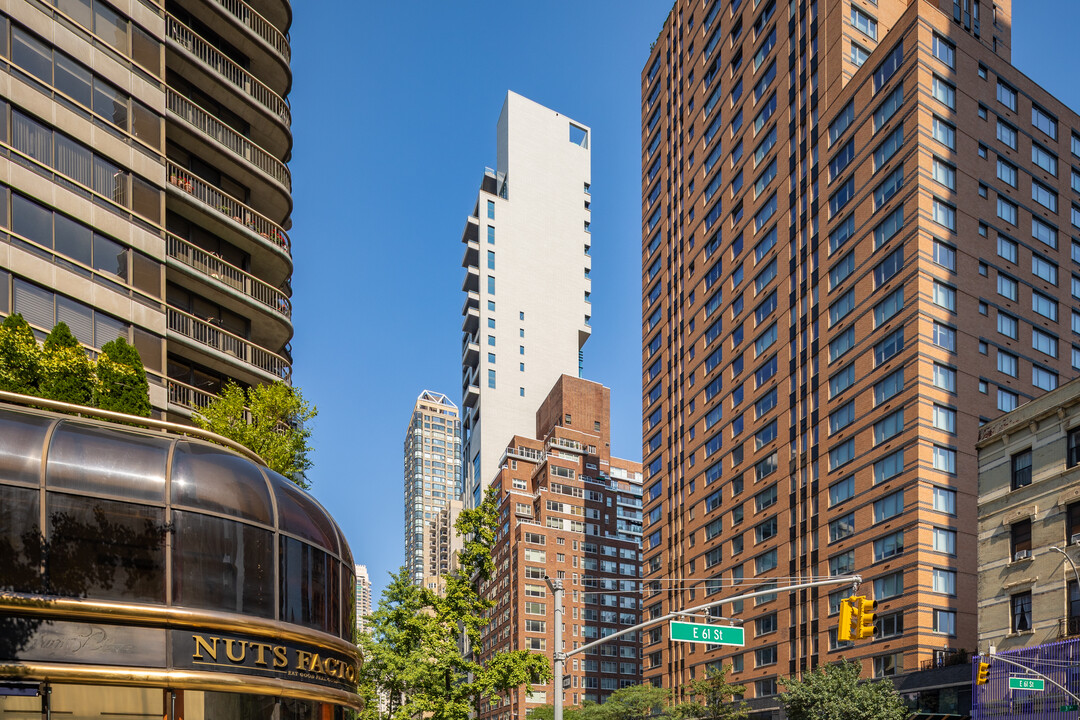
(363, 598)
(1029, 504)
(145, 191)
(567, 510)
(432, 489)
(849, 262)
(527, 308)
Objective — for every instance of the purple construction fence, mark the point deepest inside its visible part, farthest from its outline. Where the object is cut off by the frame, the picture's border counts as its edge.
(1059, 661)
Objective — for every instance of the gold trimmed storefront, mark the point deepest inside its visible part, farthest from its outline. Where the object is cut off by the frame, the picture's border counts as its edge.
(147, 574)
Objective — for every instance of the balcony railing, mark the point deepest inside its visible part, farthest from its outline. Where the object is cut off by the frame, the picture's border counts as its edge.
(258, 25)
(208, 334)
(566, 444)
(1069, 626)
(225, 136)
(230, 275)
(227, 69)
(228, 206)
(946, 658)
(188, 396)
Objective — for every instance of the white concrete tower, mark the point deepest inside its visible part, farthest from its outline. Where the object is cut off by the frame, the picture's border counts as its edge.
(527, 310)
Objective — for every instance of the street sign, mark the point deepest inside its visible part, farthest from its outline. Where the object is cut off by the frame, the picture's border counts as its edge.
(702, 633)
(1026, 683)
(1067, 708)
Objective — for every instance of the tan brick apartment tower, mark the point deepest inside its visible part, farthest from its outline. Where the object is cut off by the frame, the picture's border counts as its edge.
(145, 191)
(857, 245)
(567, 510)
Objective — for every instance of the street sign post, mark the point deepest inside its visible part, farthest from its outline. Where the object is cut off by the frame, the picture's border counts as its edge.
(1026, 683)
(702, 633)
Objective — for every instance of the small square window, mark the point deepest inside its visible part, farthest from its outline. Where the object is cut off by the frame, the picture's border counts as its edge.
(983, 151)
(983, 190)
(982, 386)
(521, 392)
(982, 111)
(982, 348)
(982, 71)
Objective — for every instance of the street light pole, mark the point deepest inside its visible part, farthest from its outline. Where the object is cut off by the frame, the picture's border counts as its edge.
(558, 656)
(1076, 576)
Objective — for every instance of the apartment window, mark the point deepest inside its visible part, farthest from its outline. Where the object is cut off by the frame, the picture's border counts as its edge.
(944, 418)
(864, 23)
(842, 564)
(888, 187)
(944, 51)
(944, 255)
(1044, 121)
(842, 122)
(945, 214)
(889, 586)
(944, 92)
(1007, 211)
(491, 285)
(841, 490)
(491, 378)
(1006, 172)
(1021, 469)
(841, 160)
(945, 133)
(1020, 539)
(1044, 233)
(842, 454)
(944, 173)
(944, 541)
(1043, 379)
(1007, 363)
(889, 467)
(888, 427)
(859, 54)
(1007, 249)
(841, 528)
(1072, 458)
(889, 346)
(889, 506)
(944, 581)
(841, 417)
(889, 267)
(944, 337)
(1021, 611)
(888, 67)
(491, 209)
(1044, 342)
(889, 546)
(944, 377)
(945, 622)
(888, 107)
(1043, 158)
(1007, 400)
(888, 387)
(1006, 133)
(944, 459)
(1006, 95)
(1007, 287)
(887, 228)
(945, 500)
(944, 296)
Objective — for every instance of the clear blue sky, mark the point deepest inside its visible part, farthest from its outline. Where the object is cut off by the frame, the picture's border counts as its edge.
(394, 108)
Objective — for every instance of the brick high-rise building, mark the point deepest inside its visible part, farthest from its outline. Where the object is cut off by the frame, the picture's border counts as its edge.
(856, 248)
(146, 192)
(567, 510)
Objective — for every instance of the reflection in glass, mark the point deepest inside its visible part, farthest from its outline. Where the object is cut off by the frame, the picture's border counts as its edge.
(221, 564)
(105, 549)
(210, 479)
(300, 515)
(93, 702)
(20, 540)
(107, 461)
(308, 586)
(213, 705)
(23, 438)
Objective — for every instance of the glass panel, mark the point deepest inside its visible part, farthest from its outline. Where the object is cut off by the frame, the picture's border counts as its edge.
(102, 549)
(110, 27)
(146, 274)
(74, 81)
(32, 138)
(107, 461)
(307, 585)
(212, 479)
(145, 124)
(199, 705)
(107, 328)
(78, 317)
(31, 220)
(348, 602)
(110, 104)
(222, 565)
(32, 55)
(292, 709)
(93, 702)
(145, 50)
(146, 199)
(20, 452)
(78, 10)
(74, 161)
(110, 257)
(72, 239)
(300, 515)
(20, 546)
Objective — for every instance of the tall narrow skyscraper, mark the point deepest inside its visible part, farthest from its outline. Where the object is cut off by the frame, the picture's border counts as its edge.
(432, 487)
(363, 597)
(527, 310)
(856, 249)
(145, 188)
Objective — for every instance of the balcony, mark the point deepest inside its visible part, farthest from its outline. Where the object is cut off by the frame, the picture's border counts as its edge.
(188, 396)
(471, 322)
(235, 143)
(233, 74)
(472, 254)
(231, 276)
(258, 25)
(946, 658)
(566, 444)
(210, 336)
(472, 395)
(472, 280)
(228, 207)
(1069, 626)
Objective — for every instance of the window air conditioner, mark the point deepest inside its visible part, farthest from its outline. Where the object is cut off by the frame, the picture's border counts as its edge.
(1075, 539)
(1021, 555)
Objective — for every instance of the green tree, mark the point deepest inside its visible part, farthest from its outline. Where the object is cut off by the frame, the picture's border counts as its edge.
(636, 702)
(121, 380)
(67, 374)
(835, 692)
(271, 420)
(412, 655)
(713, 697)
(20, 356)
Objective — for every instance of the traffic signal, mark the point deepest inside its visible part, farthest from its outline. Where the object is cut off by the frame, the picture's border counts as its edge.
(843, 632)
(864, 617)
(983, 675)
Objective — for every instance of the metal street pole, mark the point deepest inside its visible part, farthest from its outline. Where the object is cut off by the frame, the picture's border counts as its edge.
(1076, 576)
(558, 656)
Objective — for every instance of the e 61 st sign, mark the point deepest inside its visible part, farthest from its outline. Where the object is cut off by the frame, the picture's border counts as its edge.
(1026, 683)
(702, 633)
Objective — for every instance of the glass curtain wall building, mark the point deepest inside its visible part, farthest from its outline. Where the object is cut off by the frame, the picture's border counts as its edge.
(153, 574)
(146, 190)
(840, 202)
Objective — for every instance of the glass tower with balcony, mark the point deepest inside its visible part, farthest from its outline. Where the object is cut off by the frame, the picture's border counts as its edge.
(146, 191)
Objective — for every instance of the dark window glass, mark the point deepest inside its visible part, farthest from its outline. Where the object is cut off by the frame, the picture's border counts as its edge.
(110, 104)
(110, 257)
(20, 543)
(20, 452)
(1021, 612)
(1072, 522)
(1021, 469)
(145, 124)
(300, 515)
(145, 198)
(101, 460)
(1073, 455)
(348, 603)
(32, 221)
(1021, 538)
(105, 550)
(32, 55)
(222, 564)
(145, 50)
(215, 480)
(110, 27)
(308, 586)
(73, 240)
(74, 80)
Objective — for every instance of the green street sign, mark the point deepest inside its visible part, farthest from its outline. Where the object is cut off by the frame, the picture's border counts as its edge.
(702, 633)
(1026, 683)
(1067, 708)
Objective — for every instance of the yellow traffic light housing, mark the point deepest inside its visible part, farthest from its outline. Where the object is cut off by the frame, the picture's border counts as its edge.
(843, 632)
(864, 617)
(983, 675)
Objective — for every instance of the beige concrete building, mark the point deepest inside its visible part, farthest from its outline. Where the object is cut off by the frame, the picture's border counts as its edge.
(856, 247)
(527, 310)
(145, 187)
(1029, 523)
(570, 511)
(363, 598)
(432, 452)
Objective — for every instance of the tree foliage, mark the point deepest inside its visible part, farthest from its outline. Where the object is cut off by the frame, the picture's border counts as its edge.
(713, 697)
(67, 374)
(121, 380)
(412, 656)
(636, 702)
(271, 420)
(835, 692)
(20, 356)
